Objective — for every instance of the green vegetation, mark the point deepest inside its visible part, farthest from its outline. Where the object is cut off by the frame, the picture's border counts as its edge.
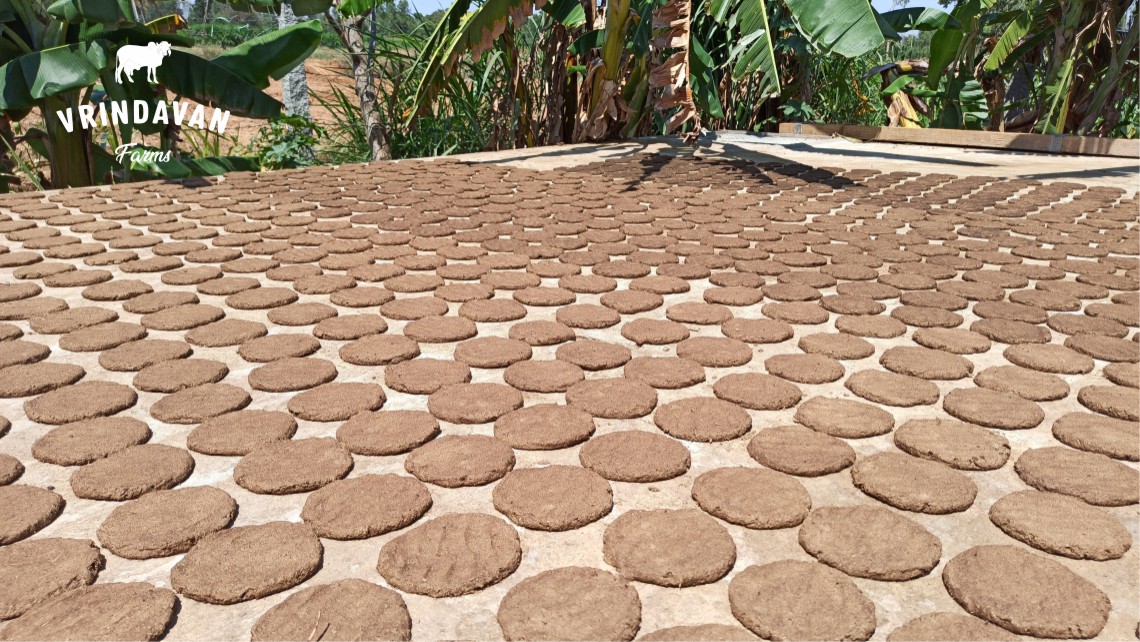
(497, 74)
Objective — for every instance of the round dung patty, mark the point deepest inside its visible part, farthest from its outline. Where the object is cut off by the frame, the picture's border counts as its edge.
(389, 432)
(451, 555)
(800, 451)
(836, 345)
(543, 376)
(936, 627)
(593, 355)
(350, 609)
(27, 509)
(700, 632)
(553, 498)
(616, 398)
(805, 368)
(282, 467)
(197, 404)
(752, 497)
(913, 484)
(34, 570)
(544, 427)
(1114, 401)
(492, 352)
(665, 372)
(452, 461)
(1061, 525)
(379, 350)
(794, 600)
(956, 444)
(757, 391)
(1025, 593)
(571, 603)
(870, 541)
(892, 389)
(1049, 358)
(953, 340)
(292, 373)
(132, 472)
(179, 374)
(115, 611)
(844, 418)
(473, 403)
(10, 469)
(37, 378)
(366, 506)
(1116, 438)
(1093, 478)
(244, 563)
(425, 376)
(675, 548)
(643, 331)
(635, 456)
(337, 401)
(101, 337)
(166, 522)
(80, 401)
(264, 349)
(702, 419)
(993, 409)
(757, 330)
(1023, 382)
(238, 433)
(926, 363)
(136, 355)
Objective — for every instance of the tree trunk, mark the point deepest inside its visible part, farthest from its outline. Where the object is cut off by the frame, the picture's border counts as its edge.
(379, 147)
(295, 85)
(69, 153)
(557, 44)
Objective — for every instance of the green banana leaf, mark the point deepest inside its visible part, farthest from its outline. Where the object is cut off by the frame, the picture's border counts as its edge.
(137, 34)
(203, 81)
(592, 39)
(458, 32)
(755, 53)
(919, 19)
(849, 28)
(1016, 30)
(177, 168)
(271, 55)
(943, 50)
(35, 76)
(114, 12)
(568, 12)
(358, 7)
(702, 80)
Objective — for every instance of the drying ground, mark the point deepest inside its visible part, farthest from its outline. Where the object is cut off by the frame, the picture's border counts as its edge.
(650, 397)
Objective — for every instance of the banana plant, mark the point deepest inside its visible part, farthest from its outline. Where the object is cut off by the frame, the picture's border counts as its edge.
(618, 81)
(57, 55)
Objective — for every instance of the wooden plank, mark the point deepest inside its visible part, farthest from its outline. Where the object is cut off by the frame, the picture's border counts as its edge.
(1081, 145)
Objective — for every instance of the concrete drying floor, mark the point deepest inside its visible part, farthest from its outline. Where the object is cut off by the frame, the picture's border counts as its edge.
(873, 397)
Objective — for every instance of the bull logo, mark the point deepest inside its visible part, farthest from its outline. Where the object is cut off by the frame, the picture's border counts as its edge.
(131, 58)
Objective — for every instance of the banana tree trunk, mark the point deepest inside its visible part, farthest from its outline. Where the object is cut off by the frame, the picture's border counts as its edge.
(295, 85)
(70, 153)
(379, 146)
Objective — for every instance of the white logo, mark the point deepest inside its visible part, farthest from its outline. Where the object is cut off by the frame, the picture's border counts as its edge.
(131, 58)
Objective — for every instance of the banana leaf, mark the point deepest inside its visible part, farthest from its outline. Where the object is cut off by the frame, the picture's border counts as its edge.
(271, 55)
(755, 52)
(177, 168)
(458, 33)
(35, 76)
(203, 81)
(919, 19)
(849, 28)
(1009, 40)
(113, 12)
(568, 12)
(160, 30)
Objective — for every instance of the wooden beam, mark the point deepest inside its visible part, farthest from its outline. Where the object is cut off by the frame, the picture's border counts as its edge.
(1081, 145)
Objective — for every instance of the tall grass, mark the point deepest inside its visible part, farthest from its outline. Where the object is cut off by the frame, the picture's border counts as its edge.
(460, 118)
